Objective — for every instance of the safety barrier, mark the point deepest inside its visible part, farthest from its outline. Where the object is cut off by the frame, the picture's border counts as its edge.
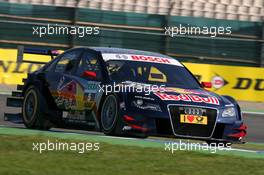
(242, 83)
(22, 24)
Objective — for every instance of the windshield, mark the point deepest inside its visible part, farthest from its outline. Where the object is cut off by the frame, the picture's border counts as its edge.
(151, 73)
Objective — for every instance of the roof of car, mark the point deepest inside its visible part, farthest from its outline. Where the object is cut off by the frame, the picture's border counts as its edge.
(127, 51)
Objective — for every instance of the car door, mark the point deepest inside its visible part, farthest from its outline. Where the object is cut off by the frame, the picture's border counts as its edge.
(60, 79)
(89, 78)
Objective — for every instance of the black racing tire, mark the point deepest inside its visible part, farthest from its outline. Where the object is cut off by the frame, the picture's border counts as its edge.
(33, 110)
(110, 116)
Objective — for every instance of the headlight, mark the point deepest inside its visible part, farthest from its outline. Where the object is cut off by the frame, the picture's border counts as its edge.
(141, 104)
(229, 112)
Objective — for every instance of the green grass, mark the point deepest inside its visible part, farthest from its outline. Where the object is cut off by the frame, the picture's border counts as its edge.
(17, 157)
(247, 145)
(250, 146)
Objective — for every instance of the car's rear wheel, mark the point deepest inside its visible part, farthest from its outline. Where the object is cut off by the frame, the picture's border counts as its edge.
(34, 109)
(110, 115)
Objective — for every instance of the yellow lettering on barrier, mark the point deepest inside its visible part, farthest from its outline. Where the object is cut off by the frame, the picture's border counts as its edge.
(12, 78)
(11, 55)
(242, 83)
(13, 67)
(8, 54)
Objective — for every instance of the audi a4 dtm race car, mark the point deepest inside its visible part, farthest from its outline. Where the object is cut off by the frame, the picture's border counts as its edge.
(127, 93)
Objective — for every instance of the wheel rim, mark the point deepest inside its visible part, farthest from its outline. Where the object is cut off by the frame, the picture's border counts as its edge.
(30, 107)
(109, 112)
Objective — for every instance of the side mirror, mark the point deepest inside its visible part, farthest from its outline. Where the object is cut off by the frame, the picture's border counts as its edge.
(206, 84)
(89, 74)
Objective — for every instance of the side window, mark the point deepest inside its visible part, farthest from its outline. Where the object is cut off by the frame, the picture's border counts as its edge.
(89, 62)
(67, 62)
(51, 66)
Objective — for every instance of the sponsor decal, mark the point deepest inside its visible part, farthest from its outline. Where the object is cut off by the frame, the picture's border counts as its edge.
(188, 98)
(71, 95)
(91, 87)
(150, 59)
(142, 58)
(240, 82)
(249, 83)
(193, 119)
(145, 98)
(68, 88)
(218, 82)
(66, 94)
(13, 73)
(184, 91)
(65, 102)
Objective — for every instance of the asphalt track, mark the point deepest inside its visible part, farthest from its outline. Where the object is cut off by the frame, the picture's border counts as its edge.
(255, 123)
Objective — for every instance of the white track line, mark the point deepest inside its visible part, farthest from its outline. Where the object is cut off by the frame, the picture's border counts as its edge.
(5, 93)
(157, 140)
(254, 113)
(166, 141)
(245, 150)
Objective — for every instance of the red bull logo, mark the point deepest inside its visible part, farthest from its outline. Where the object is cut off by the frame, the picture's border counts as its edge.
(188, 98)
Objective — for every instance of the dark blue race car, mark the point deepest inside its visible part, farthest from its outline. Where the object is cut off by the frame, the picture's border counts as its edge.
(127, 93)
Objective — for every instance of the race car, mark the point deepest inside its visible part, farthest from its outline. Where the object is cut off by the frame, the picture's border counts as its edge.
(127, 92)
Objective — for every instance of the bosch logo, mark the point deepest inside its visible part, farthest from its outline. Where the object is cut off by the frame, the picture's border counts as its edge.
(193, 111)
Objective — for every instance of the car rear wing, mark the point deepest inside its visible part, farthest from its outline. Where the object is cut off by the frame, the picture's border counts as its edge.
(21, 50)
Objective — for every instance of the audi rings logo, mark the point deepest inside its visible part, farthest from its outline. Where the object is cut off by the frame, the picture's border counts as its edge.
(193, 111)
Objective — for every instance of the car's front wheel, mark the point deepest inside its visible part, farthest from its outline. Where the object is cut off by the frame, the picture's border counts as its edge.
(33, 110)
